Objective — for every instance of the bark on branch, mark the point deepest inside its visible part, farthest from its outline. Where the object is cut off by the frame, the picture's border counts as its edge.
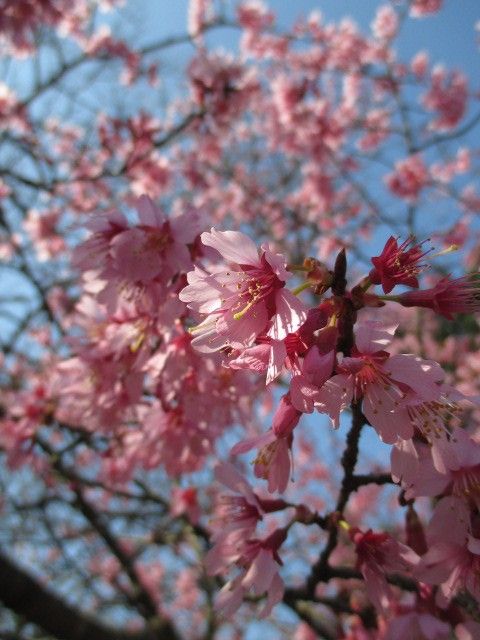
(25, 596)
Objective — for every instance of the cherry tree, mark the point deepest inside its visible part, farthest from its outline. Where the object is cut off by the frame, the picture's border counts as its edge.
(239, 388)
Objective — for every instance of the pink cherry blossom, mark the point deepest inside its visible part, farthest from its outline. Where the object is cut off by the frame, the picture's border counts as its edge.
(453, 557)
(409, 178)
(421, 8)
(378, 553)
(380, 380)
(273, 461)
(398, 264)
(244, 301)
(447, 297)
(385, 25)
(140, 261)
(423, 626)
(236, 512)
(260, 575)
(447, 96)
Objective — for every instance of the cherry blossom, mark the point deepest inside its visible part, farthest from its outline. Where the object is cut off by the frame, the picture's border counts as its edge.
(398, 264)
(371, 374)
(261, 561)
(378, 553)
(452, 560)
(447, 297)
(409, 178)
(244, 301)
(196, 255)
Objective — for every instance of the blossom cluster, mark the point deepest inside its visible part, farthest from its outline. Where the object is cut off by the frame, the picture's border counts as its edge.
(142, 346)
(333, 357)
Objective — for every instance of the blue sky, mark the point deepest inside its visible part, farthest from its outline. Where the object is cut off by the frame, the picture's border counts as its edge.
(449, 35)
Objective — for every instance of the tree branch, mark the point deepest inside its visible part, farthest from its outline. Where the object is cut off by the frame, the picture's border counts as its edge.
(27, 597)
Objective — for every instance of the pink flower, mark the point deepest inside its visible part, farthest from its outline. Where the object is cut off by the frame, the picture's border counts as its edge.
(221, 86)
(381, 380)
(260, 562)
(240, 512)
(385, 24)
(397, 264)
(122, 261)
(235, 519)
(200, 13)
(245, 301)
(420, 8)
(273, 460)
(254, 15)
(313, 341)
(316, 368)
(378, 553)
(457, 463)
(409, 178)
(419, 64)
(422, 626)
(469, 630)
(453, 557)
(447, 297)
(447, 96)
(185, 503)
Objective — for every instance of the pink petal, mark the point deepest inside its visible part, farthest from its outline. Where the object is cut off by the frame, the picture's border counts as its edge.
(186, 227)
(449, 522)
(436, 565)
(233, 480)
(289, 316)
(148, 213)
(253, 443)
(302, 394)
(203, 292)
(335, 395)
(229, 598)
(372, 336)
(275, 595)
(278, 353)
(420, 375)
(318, 367)
(242, 332)
(279, 472)
(277, 262)
(130, 257)
(473, 545)
(254, 358)
(378, 590)
(261, 571)
(233, 246)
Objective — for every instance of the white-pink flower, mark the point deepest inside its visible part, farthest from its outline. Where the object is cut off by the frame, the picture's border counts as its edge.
(244, 301)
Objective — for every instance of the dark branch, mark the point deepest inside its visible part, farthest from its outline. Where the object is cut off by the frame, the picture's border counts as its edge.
(28, 598)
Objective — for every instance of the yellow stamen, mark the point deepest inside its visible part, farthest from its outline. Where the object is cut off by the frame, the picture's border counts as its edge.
(450, 249)
(138, 343)
(344, 525)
